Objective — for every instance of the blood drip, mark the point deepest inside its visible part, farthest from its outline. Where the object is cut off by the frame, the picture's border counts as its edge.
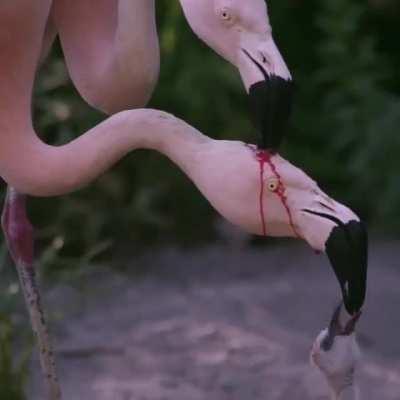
(265, 157)
(262, 159)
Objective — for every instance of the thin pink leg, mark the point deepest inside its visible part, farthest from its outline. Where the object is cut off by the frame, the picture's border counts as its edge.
(19, 235)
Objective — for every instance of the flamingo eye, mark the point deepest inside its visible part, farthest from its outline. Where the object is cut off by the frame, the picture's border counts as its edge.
(273, 184)
(226, 15)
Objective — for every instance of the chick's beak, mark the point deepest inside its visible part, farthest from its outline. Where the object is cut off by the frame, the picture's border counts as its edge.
(337, 328)
(344, 238)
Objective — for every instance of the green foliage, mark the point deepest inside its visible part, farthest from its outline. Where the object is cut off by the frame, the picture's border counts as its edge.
(12, 374)
(358, 118)
(15, 347)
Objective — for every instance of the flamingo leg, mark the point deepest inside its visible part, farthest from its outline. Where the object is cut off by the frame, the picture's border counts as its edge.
(19, 236)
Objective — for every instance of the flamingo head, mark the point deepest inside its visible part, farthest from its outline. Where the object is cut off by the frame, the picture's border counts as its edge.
(240, 32)
(265, 194)
(335, 351)
(295, 206)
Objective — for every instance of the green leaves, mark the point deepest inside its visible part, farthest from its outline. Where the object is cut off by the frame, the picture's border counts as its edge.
(360, 118)
(13, 373)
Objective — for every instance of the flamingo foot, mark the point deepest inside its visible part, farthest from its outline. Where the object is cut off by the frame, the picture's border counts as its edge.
(19, 236)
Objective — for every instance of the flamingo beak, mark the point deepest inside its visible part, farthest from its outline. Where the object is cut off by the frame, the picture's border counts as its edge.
(347, 250)
(345, 240)
(337, 329)
(270, 89)
(259, 58)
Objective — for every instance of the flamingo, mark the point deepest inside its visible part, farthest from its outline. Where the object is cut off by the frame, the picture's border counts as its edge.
(250, 186)
(336, 353)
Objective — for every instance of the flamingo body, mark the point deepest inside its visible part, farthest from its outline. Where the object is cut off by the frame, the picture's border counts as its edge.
(112, 53)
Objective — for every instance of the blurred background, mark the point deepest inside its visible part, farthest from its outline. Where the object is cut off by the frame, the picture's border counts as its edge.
(344, 132)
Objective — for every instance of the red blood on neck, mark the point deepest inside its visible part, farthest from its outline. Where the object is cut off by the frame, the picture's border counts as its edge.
(266, 157)
(262, 157)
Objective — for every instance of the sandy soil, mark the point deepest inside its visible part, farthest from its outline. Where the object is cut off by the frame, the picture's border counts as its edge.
(225, 322)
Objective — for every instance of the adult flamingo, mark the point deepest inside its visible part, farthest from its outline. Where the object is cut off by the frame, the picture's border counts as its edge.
(226, 172)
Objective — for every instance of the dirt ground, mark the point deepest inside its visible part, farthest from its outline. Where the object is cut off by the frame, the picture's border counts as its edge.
(227, 322)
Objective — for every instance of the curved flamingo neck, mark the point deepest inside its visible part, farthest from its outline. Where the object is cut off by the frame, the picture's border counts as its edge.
(35, 168)
(112, 54)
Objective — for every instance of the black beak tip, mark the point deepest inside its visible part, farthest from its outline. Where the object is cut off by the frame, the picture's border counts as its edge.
(270, 106)
(347, 250)
(337, 329)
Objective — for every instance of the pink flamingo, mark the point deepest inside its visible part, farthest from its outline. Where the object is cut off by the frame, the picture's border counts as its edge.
(111, 50)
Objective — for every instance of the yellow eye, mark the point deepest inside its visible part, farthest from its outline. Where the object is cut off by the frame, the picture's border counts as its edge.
(273, 184)
(226, 15)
